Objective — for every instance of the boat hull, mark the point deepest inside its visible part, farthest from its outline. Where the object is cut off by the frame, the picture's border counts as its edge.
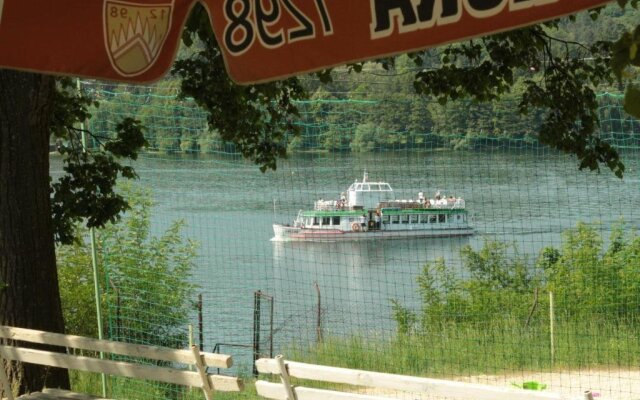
(284, 233)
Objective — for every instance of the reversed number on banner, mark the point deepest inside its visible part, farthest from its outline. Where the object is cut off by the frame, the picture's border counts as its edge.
(123, 12)
(249, 20)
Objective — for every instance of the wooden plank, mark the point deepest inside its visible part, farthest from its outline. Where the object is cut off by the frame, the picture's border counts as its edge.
(276, 391)
(284, 378)
(207, 388)
(120, 368)
(436, 387)
(37, 396)
(133, 350)
(68, 394)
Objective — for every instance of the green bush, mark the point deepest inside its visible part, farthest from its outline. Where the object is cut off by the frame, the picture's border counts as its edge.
(150, 296)
(147, 294)
(588, 281)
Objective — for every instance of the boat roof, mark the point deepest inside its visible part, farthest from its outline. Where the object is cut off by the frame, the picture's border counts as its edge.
(366, 186)
(385, 211)
(370, 187)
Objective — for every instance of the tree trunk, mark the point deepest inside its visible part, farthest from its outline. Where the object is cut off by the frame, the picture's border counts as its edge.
(29, 293)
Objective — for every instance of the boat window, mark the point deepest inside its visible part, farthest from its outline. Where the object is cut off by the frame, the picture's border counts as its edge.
(385, 219)
(395, 219)
(326, 220)
(405, 219)
(458, 217)
(365, 187)
(432, 219)
(335, 221)
(441, 217)
(375, 187)
(424, 219)
(413, 219)
(316, 221)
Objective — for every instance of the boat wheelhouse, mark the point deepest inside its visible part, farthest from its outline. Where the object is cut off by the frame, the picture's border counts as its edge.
(369, 210)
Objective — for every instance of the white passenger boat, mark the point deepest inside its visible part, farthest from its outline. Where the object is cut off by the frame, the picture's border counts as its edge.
(369, 210)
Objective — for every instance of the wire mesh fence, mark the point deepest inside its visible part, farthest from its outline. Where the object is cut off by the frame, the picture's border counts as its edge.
(544, 290)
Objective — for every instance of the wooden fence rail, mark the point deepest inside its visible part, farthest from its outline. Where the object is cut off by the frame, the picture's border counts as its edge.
(382, 382)
(168, 372)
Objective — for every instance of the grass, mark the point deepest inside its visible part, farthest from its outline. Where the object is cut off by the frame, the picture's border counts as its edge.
(130, 389)
(443, 351)
(490, 348)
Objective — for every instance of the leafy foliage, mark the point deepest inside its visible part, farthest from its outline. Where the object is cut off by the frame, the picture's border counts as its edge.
(150, 276)
(588, 280)
(76, 288)
(148, 288)
(536, 84)
(625, 61)
(86, 191)
(561, 82)
(498, 287)
(589, 283)
(255, 118)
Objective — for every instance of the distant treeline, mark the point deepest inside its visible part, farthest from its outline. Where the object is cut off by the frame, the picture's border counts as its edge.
(375, 110)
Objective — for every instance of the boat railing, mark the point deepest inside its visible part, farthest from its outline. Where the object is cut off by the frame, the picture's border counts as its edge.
(441, 204)
(325, 205)
(403, 204)
(447, 203)
(299, 221)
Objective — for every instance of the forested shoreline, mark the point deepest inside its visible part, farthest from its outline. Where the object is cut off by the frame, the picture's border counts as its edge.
(376, 109)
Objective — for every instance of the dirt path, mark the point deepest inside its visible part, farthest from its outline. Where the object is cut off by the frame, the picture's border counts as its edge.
(605, 384)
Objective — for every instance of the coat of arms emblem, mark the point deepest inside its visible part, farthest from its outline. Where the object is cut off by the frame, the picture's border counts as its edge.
(134, 34)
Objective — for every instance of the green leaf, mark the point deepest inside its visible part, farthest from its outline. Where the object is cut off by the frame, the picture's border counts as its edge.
(632, 100)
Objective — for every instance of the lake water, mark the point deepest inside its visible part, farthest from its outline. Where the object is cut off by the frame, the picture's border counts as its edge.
(526, 197)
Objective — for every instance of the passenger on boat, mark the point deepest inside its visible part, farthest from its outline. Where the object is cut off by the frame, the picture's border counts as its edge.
(376, 218)
(363, 222)
(421, 199)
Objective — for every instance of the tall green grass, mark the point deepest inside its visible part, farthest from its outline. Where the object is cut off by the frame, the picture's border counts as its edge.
(445, 351)
(496, 347)
(130, 389)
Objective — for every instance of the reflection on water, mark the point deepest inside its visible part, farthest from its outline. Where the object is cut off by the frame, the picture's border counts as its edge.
(357, 280)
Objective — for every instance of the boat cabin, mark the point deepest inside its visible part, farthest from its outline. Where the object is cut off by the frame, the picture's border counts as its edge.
(390, 219)
(367, 195)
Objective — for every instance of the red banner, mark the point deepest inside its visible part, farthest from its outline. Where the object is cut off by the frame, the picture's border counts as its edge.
(262, 40)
